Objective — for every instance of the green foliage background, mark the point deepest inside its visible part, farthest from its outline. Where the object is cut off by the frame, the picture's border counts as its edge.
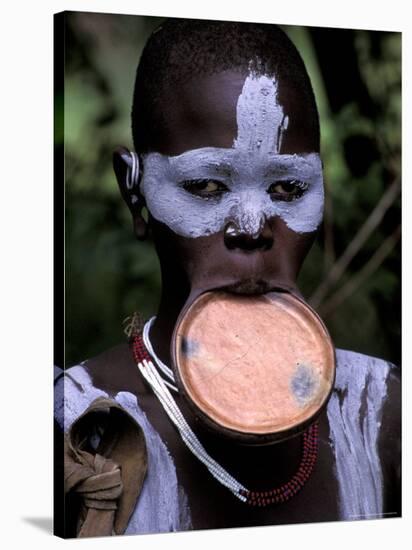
(109, 274)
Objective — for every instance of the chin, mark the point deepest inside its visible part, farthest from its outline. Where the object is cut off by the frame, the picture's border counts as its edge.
(249, 287)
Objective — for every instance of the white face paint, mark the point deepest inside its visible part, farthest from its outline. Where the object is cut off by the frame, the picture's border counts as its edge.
(245, 172)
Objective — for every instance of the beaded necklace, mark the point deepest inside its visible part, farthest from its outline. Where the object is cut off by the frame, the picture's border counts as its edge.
(143, 354)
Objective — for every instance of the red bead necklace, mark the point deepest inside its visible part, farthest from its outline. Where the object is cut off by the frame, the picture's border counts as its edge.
(278, 494)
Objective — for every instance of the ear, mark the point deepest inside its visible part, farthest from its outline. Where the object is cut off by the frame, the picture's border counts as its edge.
(128, 170)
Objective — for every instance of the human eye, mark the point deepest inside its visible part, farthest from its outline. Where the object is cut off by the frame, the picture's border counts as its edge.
(205, 188)
(287, 190)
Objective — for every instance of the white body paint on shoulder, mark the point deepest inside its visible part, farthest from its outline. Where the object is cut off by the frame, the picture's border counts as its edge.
(247, 169)
(161, 491)
(354, 413)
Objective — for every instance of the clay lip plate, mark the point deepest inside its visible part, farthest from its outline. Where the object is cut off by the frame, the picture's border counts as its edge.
(254, 364)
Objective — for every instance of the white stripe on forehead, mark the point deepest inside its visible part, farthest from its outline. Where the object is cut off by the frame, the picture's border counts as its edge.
(260, 119)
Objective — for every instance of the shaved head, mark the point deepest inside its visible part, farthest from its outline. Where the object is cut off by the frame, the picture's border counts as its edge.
(181, 52)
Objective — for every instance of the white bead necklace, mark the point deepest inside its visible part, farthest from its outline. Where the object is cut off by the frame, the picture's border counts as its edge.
(160, 388)
(164, 368)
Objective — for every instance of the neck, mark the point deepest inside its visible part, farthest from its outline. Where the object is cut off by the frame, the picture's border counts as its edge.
(172, 300)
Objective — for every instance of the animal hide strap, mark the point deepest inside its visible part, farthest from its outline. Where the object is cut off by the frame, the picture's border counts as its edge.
(105, 463)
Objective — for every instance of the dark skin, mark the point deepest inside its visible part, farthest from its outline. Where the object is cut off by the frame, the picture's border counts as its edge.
(205, 116)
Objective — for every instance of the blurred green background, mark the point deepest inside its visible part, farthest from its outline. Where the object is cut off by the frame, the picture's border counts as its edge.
(352, 274)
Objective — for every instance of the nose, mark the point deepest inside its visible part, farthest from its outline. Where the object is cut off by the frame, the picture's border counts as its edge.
(235, 238)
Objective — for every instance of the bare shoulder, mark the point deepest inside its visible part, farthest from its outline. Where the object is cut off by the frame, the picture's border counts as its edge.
(352, 363)
(373, 379)
(114, 370)
(375, 385)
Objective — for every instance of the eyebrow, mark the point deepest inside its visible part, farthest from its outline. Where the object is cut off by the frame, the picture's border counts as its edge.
(214, 161)
(282, 163)
(202, 162)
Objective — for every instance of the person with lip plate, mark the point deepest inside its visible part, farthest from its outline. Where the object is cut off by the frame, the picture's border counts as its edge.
(227, 162)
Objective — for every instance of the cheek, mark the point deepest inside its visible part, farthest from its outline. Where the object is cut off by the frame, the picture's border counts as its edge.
(186, 215)
(182, 252)
(305, 214)
(289, 246)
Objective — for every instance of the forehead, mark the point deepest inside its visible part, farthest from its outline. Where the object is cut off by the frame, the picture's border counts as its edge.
(210, 111)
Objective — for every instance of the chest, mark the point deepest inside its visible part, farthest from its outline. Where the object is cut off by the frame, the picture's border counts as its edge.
(213, 506)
